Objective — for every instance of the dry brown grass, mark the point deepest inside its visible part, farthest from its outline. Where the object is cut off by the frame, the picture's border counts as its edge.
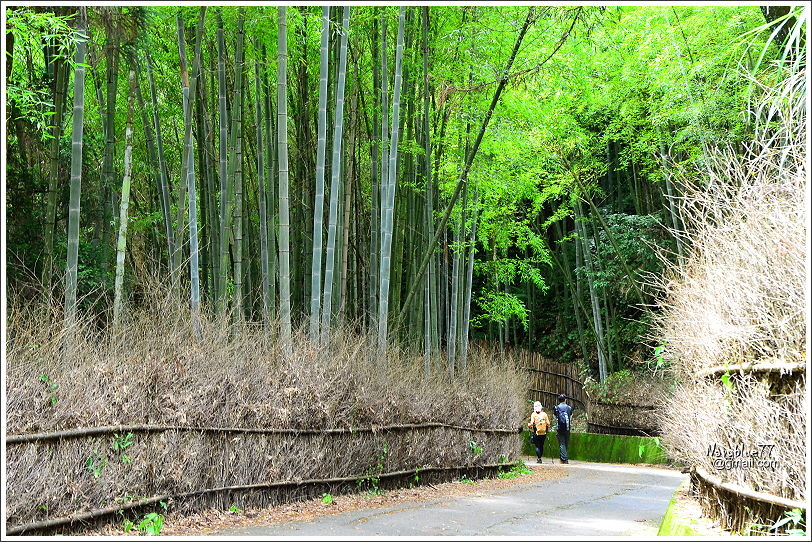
(157, 371)
(740, 296)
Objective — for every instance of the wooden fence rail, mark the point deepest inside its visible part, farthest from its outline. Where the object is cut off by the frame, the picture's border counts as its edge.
(108, 429)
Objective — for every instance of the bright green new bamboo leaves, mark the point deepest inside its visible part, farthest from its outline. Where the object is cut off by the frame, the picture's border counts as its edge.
(463, 178)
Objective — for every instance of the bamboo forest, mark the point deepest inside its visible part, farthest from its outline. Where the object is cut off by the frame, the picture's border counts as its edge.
(258, 254)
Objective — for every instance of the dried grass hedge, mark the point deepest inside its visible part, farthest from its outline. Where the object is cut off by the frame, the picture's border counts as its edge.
(154, 371)
(739, 298)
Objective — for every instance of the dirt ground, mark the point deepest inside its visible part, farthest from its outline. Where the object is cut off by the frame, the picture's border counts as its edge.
(209, 521)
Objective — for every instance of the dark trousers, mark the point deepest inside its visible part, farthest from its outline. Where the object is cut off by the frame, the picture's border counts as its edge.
(563, 441)
(538, 441)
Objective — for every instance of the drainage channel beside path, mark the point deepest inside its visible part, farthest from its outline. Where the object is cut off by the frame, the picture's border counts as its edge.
(592, 499)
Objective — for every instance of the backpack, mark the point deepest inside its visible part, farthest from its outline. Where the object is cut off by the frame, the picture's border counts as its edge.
(563, 418)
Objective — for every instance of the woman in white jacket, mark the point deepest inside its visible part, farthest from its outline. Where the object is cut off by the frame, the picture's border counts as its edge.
(539, 424)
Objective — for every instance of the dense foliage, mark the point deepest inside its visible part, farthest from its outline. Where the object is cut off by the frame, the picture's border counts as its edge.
(566, 205)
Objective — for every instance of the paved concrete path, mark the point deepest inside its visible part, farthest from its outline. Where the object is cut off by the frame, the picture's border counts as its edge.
(592, 499)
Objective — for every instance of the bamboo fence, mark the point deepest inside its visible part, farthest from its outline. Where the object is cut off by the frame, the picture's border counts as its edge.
(223, 481)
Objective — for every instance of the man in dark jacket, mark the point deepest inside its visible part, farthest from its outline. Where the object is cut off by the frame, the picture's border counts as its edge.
(563, 415)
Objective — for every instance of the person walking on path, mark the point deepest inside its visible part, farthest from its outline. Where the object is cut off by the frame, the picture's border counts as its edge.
(563, 416)
(539, 425)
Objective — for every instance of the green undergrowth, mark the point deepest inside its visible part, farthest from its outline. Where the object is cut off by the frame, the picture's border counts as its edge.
(674, 523)
(603, 448)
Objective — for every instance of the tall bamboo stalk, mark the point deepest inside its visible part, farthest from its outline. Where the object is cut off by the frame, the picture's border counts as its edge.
(194, 266)
(263, 210)
(597, 325)
(284, 210)
(236, 119)
(53, 173)
(75, 184)
(318, 206)
(429, 288)
(112, 55)
(375, 180)
(347, 222)
(271, 150)
(388, 208)
(335, 180)
(384, 153)
(676, 224)
(121, 245)
(469, 273)
(166, 206)
(225, 188)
